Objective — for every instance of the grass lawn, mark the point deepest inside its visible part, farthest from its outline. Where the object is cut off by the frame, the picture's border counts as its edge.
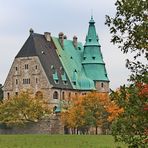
(58, 141)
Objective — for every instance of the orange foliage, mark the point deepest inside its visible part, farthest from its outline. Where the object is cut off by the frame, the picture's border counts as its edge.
(85, 108)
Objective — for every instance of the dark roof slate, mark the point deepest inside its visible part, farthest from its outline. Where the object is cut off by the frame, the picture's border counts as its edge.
(37, 45)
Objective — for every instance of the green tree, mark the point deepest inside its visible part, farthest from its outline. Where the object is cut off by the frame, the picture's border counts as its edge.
(22, 109)
(132, 124)
(1, 92)
(129, 29)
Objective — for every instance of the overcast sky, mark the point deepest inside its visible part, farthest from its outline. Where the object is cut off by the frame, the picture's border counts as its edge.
(70, 17)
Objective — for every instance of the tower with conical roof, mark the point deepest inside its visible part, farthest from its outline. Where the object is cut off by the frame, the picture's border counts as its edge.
(92, 61)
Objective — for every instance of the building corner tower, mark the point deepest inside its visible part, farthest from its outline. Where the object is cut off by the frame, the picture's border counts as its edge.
(92, 61)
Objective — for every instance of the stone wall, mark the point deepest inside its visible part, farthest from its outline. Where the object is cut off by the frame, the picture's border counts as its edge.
(46, 126)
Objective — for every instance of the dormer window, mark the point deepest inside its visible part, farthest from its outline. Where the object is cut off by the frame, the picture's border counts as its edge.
(65, 82)
(84, 58)
(93, 58)
(56, 81)
(89, 40)
(74, 83)
(79, 48)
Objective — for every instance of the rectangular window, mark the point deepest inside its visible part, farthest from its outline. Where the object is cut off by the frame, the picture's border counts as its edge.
(16, 68)
(16, 81)
(26, 66)
(36, 80)
(36, 67)
(26, 81)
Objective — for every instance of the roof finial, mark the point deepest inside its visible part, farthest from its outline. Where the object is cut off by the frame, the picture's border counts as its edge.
(91, 13)
(31, 31)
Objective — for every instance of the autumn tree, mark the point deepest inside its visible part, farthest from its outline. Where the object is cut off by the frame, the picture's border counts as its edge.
(22, 109)
(91, 110)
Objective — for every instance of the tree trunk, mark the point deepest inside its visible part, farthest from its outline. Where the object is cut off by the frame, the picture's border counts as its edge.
(96, 130)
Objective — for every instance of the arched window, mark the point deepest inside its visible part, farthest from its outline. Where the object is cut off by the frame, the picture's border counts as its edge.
(63, 95)
(55, 95)
(102, 85)
(39, 94)
(54, 108)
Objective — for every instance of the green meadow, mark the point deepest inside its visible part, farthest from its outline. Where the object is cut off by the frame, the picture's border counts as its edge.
(58, 141)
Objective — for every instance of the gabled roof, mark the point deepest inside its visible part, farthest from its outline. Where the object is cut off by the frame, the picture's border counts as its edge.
(37, 45)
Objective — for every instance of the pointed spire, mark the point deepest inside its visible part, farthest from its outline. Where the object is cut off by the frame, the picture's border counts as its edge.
(91, 37)
(91, 20)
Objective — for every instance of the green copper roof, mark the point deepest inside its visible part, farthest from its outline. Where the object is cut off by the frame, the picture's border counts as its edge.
(55, 76)
(83, 65)
(92, 57)
(71, 59)
(92, 37)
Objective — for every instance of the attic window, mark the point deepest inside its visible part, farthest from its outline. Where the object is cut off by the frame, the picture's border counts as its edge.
(89, 40)
(75, 70)
(56, 81)
(71, 57)
(52, 67)
(93, 58)
(74, 83)
(79, 48)
(84, 58)
(65, 82)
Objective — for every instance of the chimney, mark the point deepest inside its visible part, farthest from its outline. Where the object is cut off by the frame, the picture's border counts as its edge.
(61, 39)
(47, 36)
(75, 43)
(65, 37)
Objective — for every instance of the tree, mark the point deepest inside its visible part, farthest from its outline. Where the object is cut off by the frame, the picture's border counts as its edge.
(129, 29)
(22, 109)
(91, 110)
(131, 125)
(1, 92)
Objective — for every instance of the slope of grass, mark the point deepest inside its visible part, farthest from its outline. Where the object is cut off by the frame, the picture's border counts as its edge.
(58, 141)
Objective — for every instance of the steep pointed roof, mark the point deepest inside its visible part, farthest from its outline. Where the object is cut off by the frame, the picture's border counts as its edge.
(92, 57)
(37, 45)
(92, 37)
(28, 48)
